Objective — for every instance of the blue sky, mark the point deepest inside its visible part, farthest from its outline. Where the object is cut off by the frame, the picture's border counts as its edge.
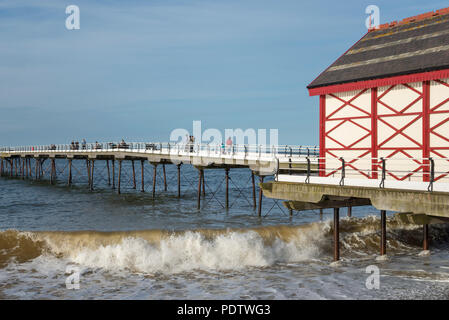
(139, 69)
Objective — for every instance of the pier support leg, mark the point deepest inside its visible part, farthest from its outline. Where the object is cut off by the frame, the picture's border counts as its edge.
(336, 234)
(119, 175)
(36, 169)
(259, 211)
(113, 174)
(227, 188)
(41, 168)
(88, 171)
(142, 172)
(154, 179)
(349, 211)
(204, 184)
(23, 168)
(52, 171)
(134, 174)
(179, 180)
(165, 177)
(69, 181)
(92, 175)
(1, 167)
(383, 236)
(321, 214)
(254, 189)
(109, 172)
(290, 211)
(200, 179)
(426, 239)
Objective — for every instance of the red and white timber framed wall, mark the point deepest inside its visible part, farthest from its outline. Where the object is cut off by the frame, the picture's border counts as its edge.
(403, 119)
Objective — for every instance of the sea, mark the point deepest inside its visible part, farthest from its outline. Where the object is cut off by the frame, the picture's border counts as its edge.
(61, 242)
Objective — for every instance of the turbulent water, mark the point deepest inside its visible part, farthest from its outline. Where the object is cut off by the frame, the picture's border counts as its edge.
(130, 246)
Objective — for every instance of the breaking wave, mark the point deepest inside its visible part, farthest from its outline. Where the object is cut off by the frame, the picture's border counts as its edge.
(161, 251)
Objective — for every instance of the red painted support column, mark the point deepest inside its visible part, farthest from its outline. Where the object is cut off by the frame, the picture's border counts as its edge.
(426, 130)
(374, 155)
(322, 162)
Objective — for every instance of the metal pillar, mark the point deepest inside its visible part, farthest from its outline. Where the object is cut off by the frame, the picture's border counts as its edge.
(154, 179)
(426, 239)
(36, 169)
(92, 175)
(254, 189)
(349, 211)
(69, 181)
(23, 168)
(88, 171)
(113, 173)
(29, 168)
(321, 214)
(383, 236)
(336, 234)
(1, 167)
(179, 180)
(52, 171)
(227, 188)
(204, 184)
(200, 179)
(134, 174)
(41, 168)
(142, 163)
(119, 175)
(165, 177)
(109, 173)
(259, 213)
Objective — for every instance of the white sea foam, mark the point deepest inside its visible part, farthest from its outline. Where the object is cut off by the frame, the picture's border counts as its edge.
(191, 250)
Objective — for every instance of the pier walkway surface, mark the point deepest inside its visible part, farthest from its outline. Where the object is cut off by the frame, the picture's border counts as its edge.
(262, 159)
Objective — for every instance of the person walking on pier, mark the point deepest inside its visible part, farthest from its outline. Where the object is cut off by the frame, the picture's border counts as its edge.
(192, 141)
(84, 144)
(229, 145)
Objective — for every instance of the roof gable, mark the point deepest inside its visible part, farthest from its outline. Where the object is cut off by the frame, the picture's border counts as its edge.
(415, 45)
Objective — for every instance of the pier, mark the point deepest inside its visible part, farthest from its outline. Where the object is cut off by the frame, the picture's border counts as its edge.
(27, 162)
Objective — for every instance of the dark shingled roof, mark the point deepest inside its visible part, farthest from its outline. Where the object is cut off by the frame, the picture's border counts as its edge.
(415, 45)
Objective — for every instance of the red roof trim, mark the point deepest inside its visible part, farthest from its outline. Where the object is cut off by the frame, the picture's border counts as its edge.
(416, 77)
(420, 17)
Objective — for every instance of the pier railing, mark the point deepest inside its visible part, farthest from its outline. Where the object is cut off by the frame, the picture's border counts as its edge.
(284, 151)
(394, 172)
